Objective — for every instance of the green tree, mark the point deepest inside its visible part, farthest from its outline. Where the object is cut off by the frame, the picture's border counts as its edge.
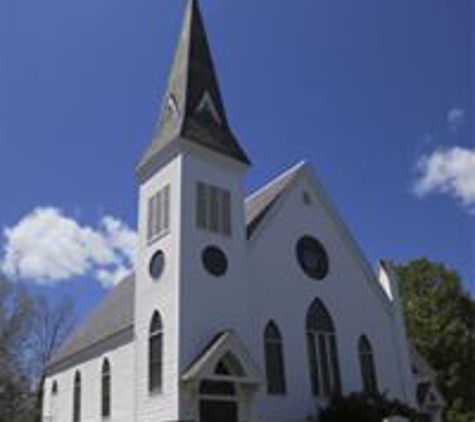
(32, 327)
(16, 319)
(440, 319)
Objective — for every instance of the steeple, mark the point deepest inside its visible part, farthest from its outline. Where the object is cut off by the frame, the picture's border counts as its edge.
(192, 108)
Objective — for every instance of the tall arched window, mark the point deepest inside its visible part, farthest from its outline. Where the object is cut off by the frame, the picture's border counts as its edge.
(77, 397)
(274, 357)
(368, 369)
(54, 388)
(54, 400)
(155, 353)
(322, 351)
(106, 389)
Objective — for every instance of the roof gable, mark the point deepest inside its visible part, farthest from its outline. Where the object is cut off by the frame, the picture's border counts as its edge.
(274, 196)
(260, 203)
(225, 343)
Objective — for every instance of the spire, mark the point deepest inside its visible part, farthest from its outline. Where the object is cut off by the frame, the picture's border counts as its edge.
(192, 108)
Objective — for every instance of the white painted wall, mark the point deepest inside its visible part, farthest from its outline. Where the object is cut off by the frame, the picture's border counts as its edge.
(282, 292)
(211, 304)
(122, 389)
(162, 295)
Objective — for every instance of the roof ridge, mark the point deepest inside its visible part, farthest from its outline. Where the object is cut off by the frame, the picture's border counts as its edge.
(294, 169)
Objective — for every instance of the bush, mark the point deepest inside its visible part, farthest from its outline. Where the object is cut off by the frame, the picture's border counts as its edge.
(363, 407)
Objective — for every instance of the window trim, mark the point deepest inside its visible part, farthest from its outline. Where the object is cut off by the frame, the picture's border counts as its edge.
(276, 382)
(369, 377)
(323, 361)
(106, 389)
(213, 209)
(54, 388)
(77, 399)
(306, 245)
(155, 362)
(158, 214)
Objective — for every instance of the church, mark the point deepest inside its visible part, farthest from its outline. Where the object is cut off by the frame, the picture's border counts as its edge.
(239, 309)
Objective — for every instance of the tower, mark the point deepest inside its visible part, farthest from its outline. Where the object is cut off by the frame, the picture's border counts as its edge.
(191, 281)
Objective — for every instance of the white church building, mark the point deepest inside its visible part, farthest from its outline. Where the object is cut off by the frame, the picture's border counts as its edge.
(240, 309)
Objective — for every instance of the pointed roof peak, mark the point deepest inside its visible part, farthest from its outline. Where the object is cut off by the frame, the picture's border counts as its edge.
(192, 108)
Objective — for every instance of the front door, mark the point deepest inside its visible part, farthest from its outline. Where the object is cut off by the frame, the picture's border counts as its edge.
(218, 411)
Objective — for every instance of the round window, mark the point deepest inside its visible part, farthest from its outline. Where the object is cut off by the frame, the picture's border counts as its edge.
(215, 261)
(157, 263)
(312, 257)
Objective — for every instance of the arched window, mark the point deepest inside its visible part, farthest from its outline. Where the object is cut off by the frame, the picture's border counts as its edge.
(274, 356)
(77, 398)
(322, 351)
(155, 353)
(106, 389)
(230, 365)
(54, 399)
(368, 370)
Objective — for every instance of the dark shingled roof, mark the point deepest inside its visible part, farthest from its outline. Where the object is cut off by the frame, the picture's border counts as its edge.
(112, 324)
(192, 76)
(259, 204)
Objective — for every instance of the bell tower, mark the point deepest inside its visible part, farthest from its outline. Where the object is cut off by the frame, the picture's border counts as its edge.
(191, 268)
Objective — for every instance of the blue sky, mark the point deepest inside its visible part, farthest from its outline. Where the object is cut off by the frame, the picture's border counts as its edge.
(376, 95)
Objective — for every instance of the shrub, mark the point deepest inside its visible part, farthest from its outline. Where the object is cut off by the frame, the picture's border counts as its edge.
(364, 407)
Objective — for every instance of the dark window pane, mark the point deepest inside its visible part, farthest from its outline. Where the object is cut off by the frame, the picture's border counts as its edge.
(274, 357)
(368, 370)
(312, 360)
(312, 257)
(233, 365)
(157, 264)
(214, 209)
(275, 369)
(201, 206)
(106, 386)
(335, 365)
(151, 218)
(166, 208)
(156, 324)
(215, 261)
(318, 318)
(324, 364)
(272, 332)
(155, 353)
(77, 398)
(320, 326)
(222, 369)
(226, 212)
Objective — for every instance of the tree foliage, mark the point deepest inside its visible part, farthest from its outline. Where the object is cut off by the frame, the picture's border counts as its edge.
(367, 407)
(16, 307)
(32, 328)
(440, 319)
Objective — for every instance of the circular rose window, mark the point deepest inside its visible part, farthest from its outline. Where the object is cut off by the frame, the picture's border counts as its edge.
(157, 263)
(312, 257)
(215, 261)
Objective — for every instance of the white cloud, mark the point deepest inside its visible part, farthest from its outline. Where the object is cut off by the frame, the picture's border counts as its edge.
(456, 118)
(449, 171)
(48, 247)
